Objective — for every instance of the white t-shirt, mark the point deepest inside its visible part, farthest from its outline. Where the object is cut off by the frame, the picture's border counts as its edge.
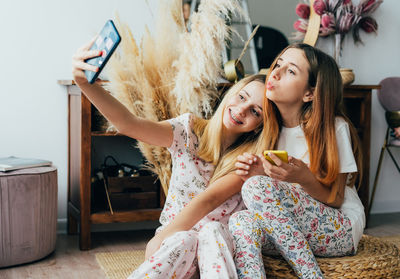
(294, 142)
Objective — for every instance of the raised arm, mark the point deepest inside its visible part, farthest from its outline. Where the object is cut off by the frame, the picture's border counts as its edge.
(151, 132)
(216, 193)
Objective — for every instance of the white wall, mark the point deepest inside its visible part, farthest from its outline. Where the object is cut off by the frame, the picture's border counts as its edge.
(279, 15)
(276, 14)
(39, 38)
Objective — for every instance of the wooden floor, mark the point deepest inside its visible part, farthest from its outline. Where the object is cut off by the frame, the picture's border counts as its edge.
(69, 262)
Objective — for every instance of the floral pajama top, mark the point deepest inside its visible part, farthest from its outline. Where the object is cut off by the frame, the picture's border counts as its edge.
(190, 176)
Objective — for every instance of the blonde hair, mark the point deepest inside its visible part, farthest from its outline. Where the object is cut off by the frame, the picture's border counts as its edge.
(318, 118)
(211, 134)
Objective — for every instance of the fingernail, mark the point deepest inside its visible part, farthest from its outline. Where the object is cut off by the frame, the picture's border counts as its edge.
(247, 167)
(250, 161)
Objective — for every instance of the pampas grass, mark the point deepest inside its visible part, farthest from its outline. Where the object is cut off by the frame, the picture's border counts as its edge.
(172, 71)
(199, 64)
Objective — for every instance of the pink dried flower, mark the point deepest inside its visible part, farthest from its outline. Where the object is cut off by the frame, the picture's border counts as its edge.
(338, 17)
(328, 20)
(327, 25)
(345, 20)
(368, 24)
(301, 25)
(303, 10)
(319, 7)
(369, 6)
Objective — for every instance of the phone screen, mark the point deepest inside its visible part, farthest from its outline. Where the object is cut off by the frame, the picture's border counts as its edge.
(107, 41)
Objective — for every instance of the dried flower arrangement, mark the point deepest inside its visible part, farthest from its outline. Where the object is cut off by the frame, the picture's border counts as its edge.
(338, 17)
(173, 71)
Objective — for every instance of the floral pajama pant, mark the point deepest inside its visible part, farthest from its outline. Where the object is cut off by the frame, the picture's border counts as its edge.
(283, 218)
(186, 254)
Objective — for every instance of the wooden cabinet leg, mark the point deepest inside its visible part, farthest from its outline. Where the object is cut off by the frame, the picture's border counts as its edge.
(85, 236)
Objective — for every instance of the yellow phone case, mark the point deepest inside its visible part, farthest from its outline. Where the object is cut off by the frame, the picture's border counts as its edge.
(281, 154)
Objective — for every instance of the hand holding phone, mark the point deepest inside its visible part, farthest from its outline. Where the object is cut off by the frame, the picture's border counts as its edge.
(281, 154)
(107, 41)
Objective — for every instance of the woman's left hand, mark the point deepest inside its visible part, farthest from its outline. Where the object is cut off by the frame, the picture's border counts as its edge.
(248, 165)
(295, 171)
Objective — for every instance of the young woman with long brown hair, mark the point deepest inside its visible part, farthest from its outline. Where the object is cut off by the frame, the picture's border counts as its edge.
(308, 206)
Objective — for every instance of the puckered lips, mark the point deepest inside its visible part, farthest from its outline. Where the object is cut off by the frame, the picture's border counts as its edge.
(270, 85)
(234, 118)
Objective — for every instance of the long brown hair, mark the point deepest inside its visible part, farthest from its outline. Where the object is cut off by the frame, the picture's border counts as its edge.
(211, 133)
(317, 118)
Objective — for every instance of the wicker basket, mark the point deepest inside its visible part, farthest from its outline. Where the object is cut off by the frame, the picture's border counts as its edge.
(375, 258)
(347, 76)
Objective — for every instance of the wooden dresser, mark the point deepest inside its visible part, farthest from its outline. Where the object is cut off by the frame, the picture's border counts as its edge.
(81, 149)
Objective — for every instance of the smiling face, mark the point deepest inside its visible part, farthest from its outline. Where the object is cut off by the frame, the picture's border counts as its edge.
(287, 84)
(243, 111)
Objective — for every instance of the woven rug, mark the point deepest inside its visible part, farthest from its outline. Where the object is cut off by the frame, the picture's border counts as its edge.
(119, 265)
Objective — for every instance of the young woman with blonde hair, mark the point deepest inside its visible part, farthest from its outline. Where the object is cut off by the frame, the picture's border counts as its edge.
(204, 190)
(308, 206)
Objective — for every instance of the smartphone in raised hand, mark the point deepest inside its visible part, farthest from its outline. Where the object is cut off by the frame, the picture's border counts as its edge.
(107, 41)
(281, 154)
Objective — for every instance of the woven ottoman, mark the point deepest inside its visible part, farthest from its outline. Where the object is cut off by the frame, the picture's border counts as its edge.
(375, 259)
(28, 214)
